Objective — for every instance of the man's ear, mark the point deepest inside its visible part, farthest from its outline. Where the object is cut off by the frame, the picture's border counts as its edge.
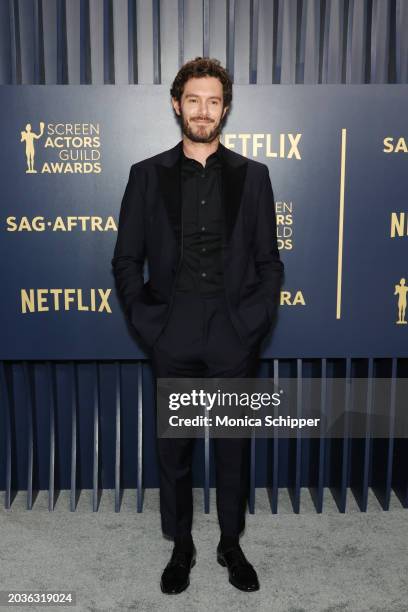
(224, 112)
(176, 105)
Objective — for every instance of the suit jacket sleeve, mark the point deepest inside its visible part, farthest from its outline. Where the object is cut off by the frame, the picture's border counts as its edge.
(129, 254)
(267, 259)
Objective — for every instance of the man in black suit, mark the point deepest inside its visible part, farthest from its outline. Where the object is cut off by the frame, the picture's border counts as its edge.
(204, 217)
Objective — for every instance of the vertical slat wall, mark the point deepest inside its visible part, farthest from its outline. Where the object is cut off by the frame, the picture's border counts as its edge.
(53, 425)
(145, 41)
(102, 444)
(260, 41)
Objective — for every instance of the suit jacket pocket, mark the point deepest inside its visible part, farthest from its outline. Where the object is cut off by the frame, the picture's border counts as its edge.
(148, 320)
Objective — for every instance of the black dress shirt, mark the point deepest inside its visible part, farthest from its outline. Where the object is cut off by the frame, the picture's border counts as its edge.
(202, 265)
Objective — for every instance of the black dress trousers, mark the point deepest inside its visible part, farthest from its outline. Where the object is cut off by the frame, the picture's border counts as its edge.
(200, 341)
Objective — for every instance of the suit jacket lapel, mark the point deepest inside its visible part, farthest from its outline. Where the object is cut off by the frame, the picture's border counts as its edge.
(233, 179)
(233, 175)
(169, 177)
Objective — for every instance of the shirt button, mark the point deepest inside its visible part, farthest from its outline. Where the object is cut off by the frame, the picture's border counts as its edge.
(203, 175)
(202, 201)
(203, 250)
(203, 274)
(203, 228)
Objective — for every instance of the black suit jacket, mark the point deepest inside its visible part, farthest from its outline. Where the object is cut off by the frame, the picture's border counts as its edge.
(150, 219)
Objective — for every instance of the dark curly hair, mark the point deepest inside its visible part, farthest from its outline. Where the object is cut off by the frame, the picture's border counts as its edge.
(201, 67)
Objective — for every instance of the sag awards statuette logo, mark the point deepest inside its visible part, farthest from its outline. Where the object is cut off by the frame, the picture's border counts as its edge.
(401, 290)
(67, 148)
(29, 136)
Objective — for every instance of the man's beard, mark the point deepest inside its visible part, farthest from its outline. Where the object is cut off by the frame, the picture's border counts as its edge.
(202, 135)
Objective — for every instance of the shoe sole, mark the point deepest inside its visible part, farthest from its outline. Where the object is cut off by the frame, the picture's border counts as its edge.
(237, 586)
(184, 587)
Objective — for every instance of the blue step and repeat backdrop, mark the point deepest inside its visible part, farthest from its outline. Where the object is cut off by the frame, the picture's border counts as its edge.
(338, 162)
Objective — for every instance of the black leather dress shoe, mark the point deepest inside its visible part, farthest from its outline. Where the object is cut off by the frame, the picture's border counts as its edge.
(175, 577)
(241, 573)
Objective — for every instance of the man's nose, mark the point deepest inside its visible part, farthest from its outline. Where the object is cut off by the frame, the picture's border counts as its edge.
(203, 109)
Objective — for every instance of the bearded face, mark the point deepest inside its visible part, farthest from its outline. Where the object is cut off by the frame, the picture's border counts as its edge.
(201, 109)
